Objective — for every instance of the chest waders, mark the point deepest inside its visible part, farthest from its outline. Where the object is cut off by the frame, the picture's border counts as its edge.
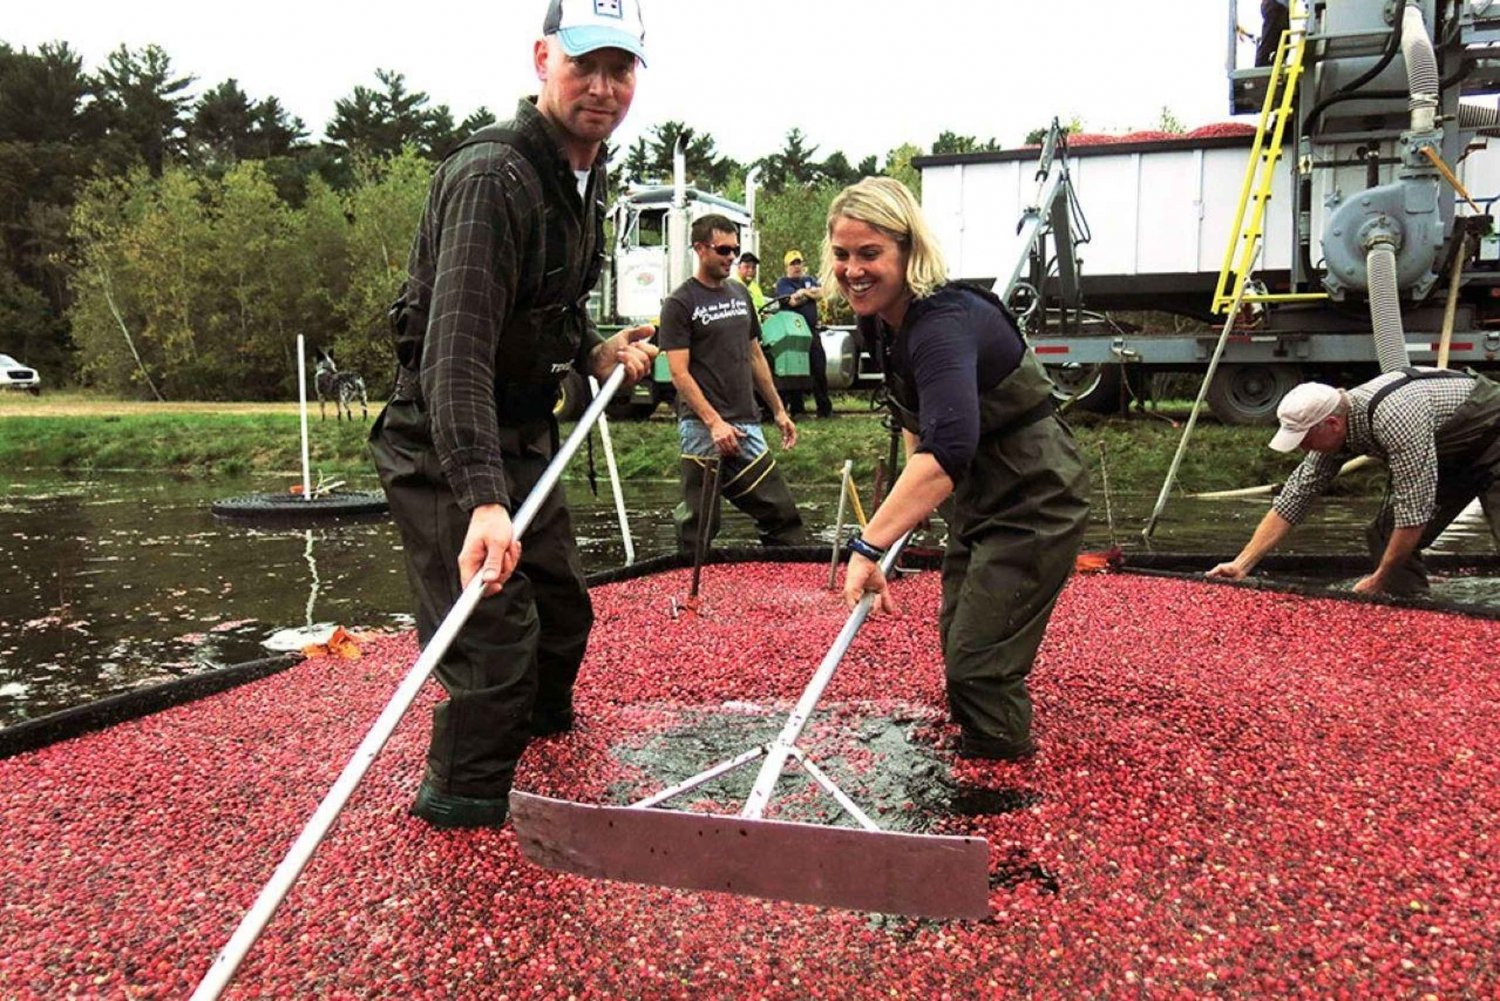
(1468, 452)
(753, 485)
(509, 672)
(1018, 516)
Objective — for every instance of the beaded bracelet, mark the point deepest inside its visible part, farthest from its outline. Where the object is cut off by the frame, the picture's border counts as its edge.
(868, 550)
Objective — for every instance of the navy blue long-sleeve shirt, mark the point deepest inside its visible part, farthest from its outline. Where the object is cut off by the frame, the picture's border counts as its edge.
(953, 347)
(786, 285)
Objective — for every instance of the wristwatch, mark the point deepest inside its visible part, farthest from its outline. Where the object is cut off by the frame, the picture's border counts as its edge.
(870, 551)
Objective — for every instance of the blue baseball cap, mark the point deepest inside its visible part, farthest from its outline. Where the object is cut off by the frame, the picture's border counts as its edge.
(586, 25)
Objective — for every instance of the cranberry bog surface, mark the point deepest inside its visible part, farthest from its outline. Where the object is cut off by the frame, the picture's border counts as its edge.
(1239, 792)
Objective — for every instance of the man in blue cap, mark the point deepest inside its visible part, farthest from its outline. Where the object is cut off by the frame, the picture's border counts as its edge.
(493, 315)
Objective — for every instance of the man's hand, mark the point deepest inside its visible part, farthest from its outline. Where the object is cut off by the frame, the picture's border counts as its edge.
(1228, 571)
(726, 437)
(631, 349)
(788, 429)
(1373, 584)
(864, 576)
(490, 548)
(813, 292)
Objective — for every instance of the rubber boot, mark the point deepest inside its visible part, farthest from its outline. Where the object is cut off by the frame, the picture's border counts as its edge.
(448, 811)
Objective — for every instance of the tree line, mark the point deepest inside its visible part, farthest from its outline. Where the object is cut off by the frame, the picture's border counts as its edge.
(154, 242)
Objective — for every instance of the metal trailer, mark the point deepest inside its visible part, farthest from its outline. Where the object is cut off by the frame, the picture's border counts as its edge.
(1159, 215)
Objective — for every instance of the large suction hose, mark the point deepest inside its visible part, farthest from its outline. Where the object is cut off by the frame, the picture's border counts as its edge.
(1385, 307)
(1421, 69)
(1478, 118)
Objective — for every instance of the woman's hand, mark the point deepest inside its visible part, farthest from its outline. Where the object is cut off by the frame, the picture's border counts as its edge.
(863, 577)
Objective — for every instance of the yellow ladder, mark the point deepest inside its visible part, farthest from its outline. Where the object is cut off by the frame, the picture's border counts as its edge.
(1250, 216)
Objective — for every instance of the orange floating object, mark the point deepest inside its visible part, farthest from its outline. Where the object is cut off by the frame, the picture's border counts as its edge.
(1110, 559)
(341, 644)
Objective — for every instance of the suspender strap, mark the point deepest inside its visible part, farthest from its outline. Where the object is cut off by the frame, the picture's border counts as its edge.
(542, 162)
(1410, 375)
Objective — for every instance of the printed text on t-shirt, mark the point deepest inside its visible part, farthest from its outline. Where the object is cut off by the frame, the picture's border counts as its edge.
(712, 313)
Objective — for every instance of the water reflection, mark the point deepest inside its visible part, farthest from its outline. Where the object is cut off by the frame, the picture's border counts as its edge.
(122, 581)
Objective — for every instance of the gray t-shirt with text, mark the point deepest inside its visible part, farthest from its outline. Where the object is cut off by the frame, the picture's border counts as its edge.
(717, 326)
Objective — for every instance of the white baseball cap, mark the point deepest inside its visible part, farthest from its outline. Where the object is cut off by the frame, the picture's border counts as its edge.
(585, 25)
(1300, 410)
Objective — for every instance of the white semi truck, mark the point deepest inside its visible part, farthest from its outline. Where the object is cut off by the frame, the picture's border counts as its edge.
(1360, 237)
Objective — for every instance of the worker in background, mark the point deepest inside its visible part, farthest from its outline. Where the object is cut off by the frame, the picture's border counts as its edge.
(1275, 18)
(492, 316)
(1437, 431)
(802, 292)
(975, 407)
(744, 273)
(711, 335)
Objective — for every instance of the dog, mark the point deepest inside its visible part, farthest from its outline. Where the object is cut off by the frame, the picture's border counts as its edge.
(343, 388)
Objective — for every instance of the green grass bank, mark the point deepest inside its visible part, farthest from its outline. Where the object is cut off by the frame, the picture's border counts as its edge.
(1133, 453)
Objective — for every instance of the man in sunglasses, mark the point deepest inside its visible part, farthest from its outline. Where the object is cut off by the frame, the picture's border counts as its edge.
(711, 335)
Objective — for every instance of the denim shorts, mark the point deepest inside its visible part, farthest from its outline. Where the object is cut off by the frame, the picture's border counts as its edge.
(695, 439)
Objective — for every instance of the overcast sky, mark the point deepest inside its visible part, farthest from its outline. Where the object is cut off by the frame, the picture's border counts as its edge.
(861, 76)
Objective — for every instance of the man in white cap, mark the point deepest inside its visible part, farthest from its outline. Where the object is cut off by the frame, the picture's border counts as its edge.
(493, 315)
(1438, 431)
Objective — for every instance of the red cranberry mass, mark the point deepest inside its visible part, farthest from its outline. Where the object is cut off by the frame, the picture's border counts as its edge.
(1238, 793)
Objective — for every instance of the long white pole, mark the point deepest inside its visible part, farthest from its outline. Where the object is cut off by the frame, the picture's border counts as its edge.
(251, 925)
(614, 480)
(302, 405)
(1208, 377)
(781, 748)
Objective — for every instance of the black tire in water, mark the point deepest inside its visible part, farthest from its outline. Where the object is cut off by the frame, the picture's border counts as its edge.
(1247, 394)
(292, 509)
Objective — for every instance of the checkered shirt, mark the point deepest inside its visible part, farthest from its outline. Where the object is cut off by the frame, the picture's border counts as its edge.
(1404, 436)
(478, 254)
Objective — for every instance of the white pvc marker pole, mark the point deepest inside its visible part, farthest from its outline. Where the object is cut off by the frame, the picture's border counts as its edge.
(614, 479)
(838, 524)
(302, 402)
(221, 970)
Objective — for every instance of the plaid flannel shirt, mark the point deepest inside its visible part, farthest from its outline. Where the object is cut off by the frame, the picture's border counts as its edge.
(478, 253)
(1405, 436)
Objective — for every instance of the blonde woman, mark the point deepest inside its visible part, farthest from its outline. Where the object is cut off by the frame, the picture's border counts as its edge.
(975, 407)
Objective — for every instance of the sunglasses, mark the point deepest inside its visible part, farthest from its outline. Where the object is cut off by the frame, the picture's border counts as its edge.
(795, 260)
(725, 249)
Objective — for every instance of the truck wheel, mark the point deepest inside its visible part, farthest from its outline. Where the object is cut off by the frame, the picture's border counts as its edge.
(1248, 394)
(572, 397)
(1095, 388)
(635, 404)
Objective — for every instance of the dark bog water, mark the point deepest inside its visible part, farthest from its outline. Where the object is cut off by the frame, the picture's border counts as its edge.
(121, 581)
